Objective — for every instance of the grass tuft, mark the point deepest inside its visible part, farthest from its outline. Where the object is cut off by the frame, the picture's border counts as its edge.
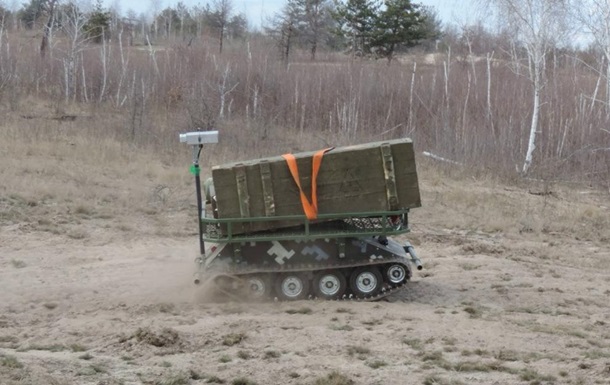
(437, 380)
(413, 343)
(345, 310)
(10, 362)
(78, 348)
(233, 339)
(376, 364)
(242, 381)
(18, 264)
(474, 312)
(533, 376)
(166, 337)
(302, 310)
(334, 378)
(225, 358)
(215, 380)
(359, 350)
(272, 354)
(346, 327)
(174, 379)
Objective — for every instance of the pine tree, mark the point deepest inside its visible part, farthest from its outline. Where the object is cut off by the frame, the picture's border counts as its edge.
(98, 25)
(32, 11)
(314, 18)
(401, 23)
(357, 20)
(284, 28)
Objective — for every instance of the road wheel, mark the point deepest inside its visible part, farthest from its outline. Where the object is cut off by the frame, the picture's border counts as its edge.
(329, 284)
(366, 281)
(258, 287)
(396, 274)
(292, 287)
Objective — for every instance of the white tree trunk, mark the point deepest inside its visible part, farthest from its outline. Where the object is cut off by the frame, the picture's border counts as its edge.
(608, 84)
(104, 70)
(489, 58)
(410, 124)
(531, 144)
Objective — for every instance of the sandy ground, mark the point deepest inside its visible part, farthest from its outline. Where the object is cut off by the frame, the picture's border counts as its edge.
(487, 309)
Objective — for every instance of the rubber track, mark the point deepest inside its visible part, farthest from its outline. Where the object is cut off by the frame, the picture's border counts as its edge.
(236, 272)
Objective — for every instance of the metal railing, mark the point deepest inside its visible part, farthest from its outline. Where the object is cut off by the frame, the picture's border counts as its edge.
(298, 227)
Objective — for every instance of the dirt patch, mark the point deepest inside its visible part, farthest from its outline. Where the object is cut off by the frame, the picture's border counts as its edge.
(164, 338)
(96, 287)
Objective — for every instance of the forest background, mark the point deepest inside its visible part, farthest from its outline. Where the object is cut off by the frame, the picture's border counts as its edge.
(525, 95)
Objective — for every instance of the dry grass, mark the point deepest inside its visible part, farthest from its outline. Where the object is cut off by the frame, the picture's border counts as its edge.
(339, 327)
(271, 354)
(490, 206)
(301, 310)
(10, 362)
(68, 179)
(18, 264)
(334, 378)
(358, 350)
(242, 381)
(174, 379)
(233, 339)
(376, 364)
(71, 180)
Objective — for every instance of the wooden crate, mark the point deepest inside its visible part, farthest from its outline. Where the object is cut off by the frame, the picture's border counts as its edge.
(372, 177)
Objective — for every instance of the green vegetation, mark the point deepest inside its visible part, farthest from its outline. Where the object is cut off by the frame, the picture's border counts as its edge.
(174, 379)
(376, 364)
(334, 378)
(242, 381)
(10, 362)
(18, 264)
(215, 380)
(345, 327)
(302, 310)
(233, 339)
(272, 354)
(437, 380)
(225, 358)
(358, 350)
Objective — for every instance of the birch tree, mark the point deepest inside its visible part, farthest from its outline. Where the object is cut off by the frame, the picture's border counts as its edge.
(50, 7)
(155, 8)
(536, 25)
(73, 23)
(594, 15)
(220, 17)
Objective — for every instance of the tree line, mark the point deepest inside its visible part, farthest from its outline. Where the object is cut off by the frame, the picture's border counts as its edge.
(217, 19)
(464, 92)
(361, 27)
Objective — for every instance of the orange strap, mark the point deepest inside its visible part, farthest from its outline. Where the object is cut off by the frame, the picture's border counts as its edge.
(310, 208)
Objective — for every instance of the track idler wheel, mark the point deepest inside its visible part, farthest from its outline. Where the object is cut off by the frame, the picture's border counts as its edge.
(292, 287)
(366, 281)
(329, 284)
(258, 287)
(396, 274)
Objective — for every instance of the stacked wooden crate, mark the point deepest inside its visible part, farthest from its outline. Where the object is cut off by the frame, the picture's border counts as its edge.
(372, 177)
